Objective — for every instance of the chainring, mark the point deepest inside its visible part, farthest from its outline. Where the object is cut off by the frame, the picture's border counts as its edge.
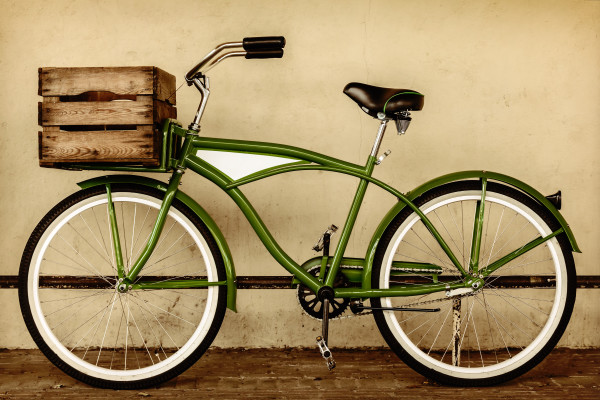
(313, 306)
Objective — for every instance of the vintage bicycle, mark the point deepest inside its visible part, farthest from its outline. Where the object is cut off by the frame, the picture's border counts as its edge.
(470, 277)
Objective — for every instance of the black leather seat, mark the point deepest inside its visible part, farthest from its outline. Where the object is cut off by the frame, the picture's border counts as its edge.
(374, 99)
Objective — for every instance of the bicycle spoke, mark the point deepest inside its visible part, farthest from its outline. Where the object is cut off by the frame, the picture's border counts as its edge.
(101, 235)
(152, 330)
(431, 251)
(487, 314)
(163, 239)
(126, 261)
(148, 208)
(449, 235)
(439, 331)
(498, 325)
(503, 295)
(514, 218)
(85, 322)
(99, 291)
(484, 239)
(102, 244)
(168, 312)
(132, 232)
(139, 333)
(112, 357)
(157, 320)
(89, 244)
(71, 315)
(103, 291)
(162, 297)
(155, 271)
(112, 302)
(105, 330)
(495, 238)
(494, 311)
(169, 256)
(92, 271)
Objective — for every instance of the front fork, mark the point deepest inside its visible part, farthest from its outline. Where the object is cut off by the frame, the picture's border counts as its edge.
(128, 277)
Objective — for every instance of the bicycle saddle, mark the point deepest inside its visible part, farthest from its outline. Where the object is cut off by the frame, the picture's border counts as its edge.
(374, 100)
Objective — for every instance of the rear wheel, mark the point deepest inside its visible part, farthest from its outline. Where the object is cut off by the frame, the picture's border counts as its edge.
(500, 331)
(84, 325)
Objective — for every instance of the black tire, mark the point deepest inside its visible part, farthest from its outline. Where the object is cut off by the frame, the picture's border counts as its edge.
(42, 321)
(532, 320)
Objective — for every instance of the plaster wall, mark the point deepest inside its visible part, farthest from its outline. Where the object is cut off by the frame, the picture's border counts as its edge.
(511, 86)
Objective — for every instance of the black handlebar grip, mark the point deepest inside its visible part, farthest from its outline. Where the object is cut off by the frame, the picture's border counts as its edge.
(265, 54)
(263, 43)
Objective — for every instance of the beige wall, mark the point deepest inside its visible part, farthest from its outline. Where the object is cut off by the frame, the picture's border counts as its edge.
(511, 86)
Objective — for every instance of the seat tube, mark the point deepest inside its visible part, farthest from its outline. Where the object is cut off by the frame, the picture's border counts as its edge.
(354, 209)
(345, 236)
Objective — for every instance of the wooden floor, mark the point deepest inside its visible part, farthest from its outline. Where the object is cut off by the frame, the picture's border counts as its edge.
(302, 374)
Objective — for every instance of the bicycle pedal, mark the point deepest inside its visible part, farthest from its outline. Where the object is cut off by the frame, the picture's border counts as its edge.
(321, 242)
(326, 353)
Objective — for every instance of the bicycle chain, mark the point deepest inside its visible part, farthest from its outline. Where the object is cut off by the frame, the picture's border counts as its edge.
(420, 303)
(411, 305)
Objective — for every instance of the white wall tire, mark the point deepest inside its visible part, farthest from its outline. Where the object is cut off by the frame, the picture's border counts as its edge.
(120, 340)
(502, 332)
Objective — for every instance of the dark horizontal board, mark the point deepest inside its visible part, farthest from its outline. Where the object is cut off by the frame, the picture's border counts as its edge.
(280, 282)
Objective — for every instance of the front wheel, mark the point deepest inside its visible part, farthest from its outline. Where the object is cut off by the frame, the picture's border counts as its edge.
(507, 326)
(69, 299)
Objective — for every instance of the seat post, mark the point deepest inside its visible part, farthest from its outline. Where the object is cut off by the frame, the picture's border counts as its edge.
(379, 137)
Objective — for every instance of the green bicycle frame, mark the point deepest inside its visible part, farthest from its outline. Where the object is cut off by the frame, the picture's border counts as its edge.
(303, 160)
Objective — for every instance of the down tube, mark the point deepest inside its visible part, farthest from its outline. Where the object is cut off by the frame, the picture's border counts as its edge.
(199, 166)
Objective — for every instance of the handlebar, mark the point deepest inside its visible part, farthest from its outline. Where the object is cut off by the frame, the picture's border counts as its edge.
(264, 54)
(264, 43)
(255, 47)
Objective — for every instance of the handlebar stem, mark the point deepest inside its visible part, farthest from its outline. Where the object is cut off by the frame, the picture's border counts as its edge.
(202, 86)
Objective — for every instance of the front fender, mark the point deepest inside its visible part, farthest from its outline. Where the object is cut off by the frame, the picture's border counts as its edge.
(458, 176)
(196, 208)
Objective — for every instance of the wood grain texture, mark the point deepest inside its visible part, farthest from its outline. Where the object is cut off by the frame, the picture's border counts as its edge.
(127, 146)
(86, 114)
(125, 112)
(119, 80)
(366, 374)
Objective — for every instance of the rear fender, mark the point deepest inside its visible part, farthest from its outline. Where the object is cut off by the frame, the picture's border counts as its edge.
(454, 177)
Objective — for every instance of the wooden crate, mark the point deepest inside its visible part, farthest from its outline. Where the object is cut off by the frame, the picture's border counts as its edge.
(103, 114)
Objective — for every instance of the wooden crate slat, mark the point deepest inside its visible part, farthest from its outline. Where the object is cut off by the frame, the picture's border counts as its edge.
(119, 80)
(98, 146)
(137, 112)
